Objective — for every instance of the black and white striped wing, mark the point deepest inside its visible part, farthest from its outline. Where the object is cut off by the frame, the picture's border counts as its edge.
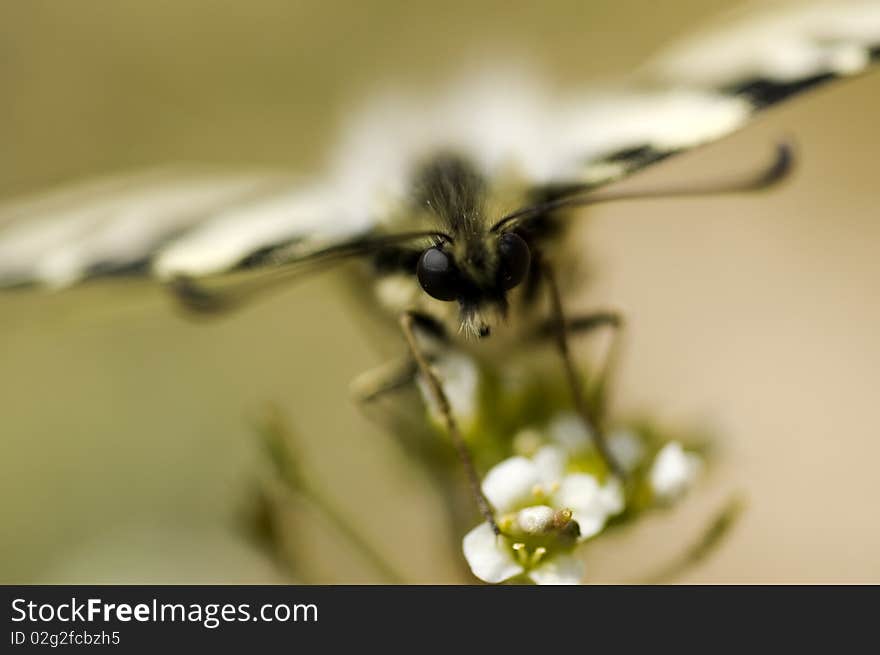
(165, 221)
(712, 84)
(174, 224)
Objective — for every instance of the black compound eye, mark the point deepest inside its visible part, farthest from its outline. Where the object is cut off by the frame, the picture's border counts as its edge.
(438, 275)
(515, 259)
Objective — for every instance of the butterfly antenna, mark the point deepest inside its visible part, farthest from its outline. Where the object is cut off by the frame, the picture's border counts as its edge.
(279, 268)
(768, 176)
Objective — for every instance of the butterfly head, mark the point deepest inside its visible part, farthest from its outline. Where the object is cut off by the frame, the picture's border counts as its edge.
(476, 271)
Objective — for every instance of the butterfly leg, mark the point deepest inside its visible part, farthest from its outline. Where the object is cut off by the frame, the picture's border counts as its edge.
(376, 383)
(585, 324)
(399, 374)
(435, 387)
(581, 324)
(604, 378)
(589, 412)
(371, 388)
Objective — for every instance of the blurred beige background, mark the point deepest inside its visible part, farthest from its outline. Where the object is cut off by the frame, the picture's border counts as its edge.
(124, 447)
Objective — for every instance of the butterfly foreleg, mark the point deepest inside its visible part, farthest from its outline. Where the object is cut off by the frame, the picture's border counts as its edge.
(580, 324)
(590, 411)
(585, 324)
(408, 324)
(376, 383)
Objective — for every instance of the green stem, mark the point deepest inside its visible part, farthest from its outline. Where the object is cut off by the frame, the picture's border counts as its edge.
(336, 517)
(278, 440)
(713, 534)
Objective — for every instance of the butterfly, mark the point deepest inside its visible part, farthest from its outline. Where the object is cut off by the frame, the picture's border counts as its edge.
(456, 210)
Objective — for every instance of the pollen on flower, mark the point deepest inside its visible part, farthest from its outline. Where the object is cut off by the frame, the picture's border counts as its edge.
(505, 523)
(538, 555)
(562, 518)
(544, 490)
(536, 520)
(528, 558)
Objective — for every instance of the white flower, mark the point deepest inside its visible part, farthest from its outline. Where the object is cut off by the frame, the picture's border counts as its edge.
(673, 472)
(520, 482)
(559, 570)
(488, 555)
(543, 513)
(590, 504)
(627, 448)
(494, 559)
(569, 431)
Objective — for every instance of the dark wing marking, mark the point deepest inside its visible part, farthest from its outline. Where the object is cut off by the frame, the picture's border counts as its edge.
(168, 222)
(226, 291)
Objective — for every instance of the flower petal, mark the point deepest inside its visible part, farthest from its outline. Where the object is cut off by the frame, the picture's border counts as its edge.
(488, 555)
(509, 485)
(580, 492)
(612, 497)
(569, 431)
(550, 461)
(590, 523)
(561, 569)
(536, 520)
(673, 472)
(577, 491)
(626, 448)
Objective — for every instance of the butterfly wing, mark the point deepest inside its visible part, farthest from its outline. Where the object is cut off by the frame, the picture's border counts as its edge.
(709, 85)
(175, 224)
(166, 222)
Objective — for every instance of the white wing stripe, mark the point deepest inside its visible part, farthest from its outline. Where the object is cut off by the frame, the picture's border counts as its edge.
(312, 215)
(788, 44)
(117, 229)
